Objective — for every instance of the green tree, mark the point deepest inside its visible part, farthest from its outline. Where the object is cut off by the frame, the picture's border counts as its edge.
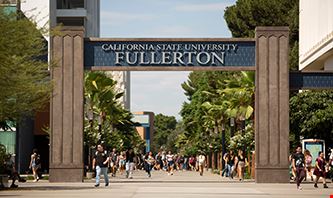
(243, 17)
(106, 119)
(240, 94)
(164, 128)
(24, 77)
(311, 116)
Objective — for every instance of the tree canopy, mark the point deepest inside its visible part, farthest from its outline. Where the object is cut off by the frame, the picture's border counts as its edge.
(311, 116)
(243, 17)
(214, 98)
(24, 77)
(106, 120)
(164, 127)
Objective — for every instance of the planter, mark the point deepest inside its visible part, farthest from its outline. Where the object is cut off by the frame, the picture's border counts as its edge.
(4, 181)
(90, 175)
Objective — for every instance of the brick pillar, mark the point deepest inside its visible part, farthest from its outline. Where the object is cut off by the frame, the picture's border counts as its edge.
(272, 105)
(66, 144)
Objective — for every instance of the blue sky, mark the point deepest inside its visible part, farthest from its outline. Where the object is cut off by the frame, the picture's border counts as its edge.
(161, 92)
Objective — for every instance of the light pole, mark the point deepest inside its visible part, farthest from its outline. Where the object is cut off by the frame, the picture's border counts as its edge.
(90, 115)
(99, 120)
(232, 127)
(243, 125)
(223, 145)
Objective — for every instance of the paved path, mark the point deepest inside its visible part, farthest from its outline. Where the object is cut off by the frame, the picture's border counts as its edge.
(181, 184)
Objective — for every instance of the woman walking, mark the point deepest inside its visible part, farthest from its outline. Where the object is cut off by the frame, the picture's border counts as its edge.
(149, 163)
(202, 163)
(171, 163)
(35, 164)
(308, 164)
(122, 162)
(320, 170)
(242, 162)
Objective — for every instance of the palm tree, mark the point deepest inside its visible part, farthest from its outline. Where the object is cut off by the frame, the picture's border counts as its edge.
(240, 92)
(114, 125)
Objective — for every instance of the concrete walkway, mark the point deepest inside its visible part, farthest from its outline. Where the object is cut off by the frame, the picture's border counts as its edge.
(181, 184)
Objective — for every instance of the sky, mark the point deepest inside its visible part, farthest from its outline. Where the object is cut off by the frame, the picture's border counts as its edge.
(161, 92)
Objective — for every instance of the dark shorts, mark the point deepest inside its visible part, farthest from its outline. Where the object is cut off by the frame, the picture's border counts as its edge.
(171, 163)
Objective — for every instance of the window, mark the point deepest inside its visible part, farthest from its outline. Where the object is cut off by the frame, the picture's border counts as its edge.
(71, 21)
(70, 4)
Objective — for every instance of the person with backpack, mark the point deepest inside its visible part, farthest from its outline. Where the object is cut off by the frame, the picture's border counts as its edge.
(100, 163)
(298, 164)
(35, 164)
(149, 162)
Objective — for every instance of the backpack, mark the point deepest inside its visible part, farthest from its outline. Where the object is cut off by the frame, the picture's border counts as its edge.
(37, 159)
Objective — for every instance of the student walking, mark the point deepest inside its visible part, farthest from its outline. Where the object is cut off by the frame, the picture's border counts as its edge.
(171, 162)
(100, 163)
(113, 162)
(202, 163)
(229, 162)
(130, 157)
(35, 164)
(308, 164)
(320, 170)
(122, 162)
(149, 163)
(298, 166)
(11, 171)
(241, 163)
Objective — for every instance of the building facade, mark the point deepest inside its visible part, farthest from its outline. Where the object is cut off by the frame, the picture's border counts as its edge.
(145, 127)
(84, 13)
(316, 35)
(32, 131)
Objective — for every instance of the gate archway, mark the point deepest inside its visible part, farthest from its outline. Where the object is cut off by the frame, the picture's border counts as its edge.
(270, 61)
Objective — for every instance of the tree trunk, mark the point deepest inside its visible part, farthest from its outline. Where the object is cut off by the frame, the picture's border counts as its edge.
(213, 161)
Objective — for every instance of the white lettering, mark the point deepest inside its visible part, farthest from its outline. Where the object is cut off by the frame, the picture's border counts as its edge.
(153, 59)
(142, 59)
(166, 58)
(219, 58)
(199, 58)
(119, 57)
(128, 58)
(177, 58)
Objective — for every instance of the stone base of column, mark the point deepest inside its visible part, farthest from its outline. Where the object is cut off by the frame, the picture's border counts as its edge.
(66, 175)
(272, 175)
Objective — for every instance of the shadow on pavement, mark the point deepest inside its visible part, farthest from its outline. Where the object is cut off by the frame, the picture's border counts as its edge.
(48, 187)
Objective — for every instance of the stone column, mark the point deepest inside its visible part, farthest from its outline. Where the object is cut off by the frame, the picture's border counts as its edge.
(272, 105)
(66, 144)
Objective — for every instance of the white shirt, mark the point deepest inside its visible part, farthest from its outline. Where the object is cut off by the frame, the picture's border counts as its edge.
(201, 159)
(169, 157)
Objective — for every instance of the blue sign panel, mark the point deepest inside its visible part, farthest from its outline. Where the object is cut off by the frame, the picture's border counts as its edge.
(310, 80)
(169, 53)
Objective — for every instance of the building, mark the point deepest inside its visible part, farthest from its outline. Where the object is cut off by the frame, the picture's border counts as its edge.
(33, 131)
(74, 13)
(316, 35)
(145, 127)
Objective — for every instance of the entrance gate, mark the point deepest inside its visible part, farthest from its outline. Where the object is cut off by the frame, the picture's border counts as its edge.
(267, 54)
